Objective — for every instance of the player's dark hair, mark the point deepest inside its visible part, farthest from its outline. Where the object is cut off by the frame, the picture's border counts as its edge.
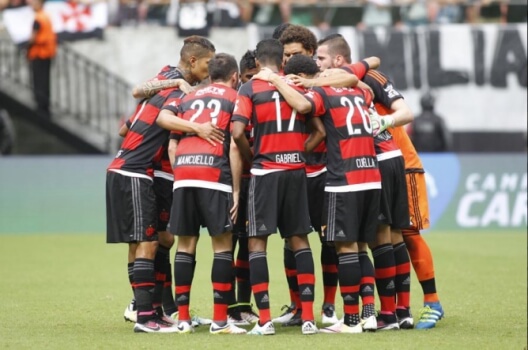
(247, 61)
(269, 51)
(301, 64)
(277, 32)
(299, 34)
(221, 67)
(196, 46)
(337, 45)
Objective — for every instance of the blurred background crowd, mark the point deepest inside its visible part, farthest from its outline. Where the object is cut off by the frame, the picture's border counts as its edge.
(320, 13)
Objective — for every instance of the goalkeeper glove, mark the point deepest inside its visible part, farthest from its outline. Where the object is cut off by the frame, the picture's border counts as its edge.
(380, 124)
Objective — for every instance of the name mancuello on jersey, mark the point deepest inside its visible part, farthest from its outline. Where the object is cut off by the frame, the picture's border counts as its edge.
(195, 160)
(211, 90)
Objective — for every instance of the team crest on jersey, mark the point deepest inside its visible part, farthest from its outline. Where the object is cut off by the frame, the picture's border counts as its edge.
(391, 92)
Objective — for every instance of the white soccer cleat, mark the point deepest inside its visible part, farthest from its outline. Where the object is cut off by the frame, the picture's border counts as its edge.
(309, 327)
(286, 316)
(340, 327)
(130, 313)
(369, 324)
(184, 327)
(251, 317)
(267, 329)
(328, 315)
(229, 328)
(236, 322)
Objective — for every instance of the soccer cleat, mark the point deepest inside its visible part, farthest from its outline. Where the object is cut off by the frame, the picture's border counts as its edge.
(168, 320)
(405, 319)
(229, 328)
(287, 315)
(340, 327)
(369, 324)
(236, 320)
(267, 329)
(199, 321)
(295, 320)
(429, 315)
(309, 327)
(328, 314)
(184, 327)
(387, 321)
(174, 316)
(154, 326)
(130, 314)
(249, 316)
(247, 313)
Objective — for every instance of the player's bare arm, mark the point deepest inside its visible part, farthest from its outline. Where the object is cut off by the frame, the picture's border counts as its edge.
(295, 99)
(317, 135)
(235, 162)
(171, 149)
(123, 130)
(239, 136)
(207, 131)
(335, 77)
(152, 87)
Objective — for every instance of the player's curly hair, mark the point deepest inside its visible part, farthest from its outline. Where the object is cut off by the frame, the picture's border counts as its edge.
(299, 34)
(301, 64)
(247, 61)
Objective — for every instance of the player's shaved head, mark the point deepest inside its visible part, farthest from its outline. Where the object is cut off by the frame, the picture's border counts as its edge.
(337, 45)
(196, 46)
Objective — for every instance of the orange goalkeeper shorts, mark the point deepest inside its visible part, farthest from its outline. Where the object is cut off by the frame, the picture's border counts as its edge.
(418, 204)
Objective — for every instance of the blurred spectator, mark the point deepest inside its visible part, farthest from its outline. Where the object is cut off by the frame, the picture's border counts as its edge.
(487, 11)
(42, 47)
(414, 13)
(7, 133)
(446, 11)
(428, 131)
(376, 13)
(194, 18)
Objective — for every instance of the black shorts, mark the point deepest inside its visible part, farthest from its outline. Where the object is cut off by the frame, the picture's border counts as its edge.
(316, 195)
(394, 203)
(350, 216)
(130, 209)
(278, 201)
(240, 226)
(195, 207)
(163, 192)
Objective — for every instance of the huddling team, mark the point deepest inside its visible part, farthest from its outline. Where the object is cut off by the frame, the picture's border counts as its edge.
(297, 139)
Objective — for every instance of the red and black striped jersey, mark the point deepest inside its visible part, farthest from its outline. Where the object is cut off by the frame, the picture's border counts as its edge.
(144, 137)
(359, 69)
(169, 72)
(162, 165)
(351, 158)
(384, 94)
(278, 129)
(198, 163)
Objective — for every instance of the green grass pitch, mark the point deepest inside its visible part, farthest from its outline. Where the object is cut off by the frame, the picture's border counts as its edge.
(69, 292)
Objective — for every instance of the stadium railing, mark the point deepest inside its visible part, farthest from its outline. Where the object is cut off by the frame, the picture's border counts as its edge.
(86, 98)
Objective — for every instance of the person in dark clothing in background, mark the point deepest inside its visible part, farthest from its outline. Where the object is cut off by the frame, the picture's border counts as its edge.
(7, 133)
(428, 131)
(41, 50)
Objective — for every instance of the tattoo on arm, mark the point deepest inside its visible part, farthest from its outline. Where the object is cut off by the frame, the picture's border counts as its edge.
(150, 88)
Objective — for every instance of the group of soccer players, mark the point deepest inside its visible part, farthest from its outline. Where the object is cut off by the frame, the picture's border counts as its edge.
(297, 140)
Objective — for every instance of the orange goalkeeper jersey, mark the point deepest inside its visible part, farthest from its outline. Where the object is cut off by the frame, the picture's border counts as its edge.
(412, 161)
